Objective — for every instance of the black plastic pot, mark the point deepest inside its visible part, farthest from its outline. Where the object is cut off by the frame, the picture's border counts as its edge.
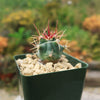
(63, 85)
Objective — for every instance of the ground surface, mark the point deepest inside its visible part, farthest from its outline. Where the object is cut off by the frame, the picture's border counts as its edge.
(89, 93)
(91, 90)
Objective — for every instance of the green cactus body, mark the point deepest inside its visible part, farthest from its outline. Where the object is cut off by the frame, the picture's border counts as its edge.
(49, 50)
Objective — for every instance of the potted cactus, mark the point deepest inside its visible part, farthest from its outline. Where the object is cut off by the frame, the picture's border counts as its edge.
(48, 73)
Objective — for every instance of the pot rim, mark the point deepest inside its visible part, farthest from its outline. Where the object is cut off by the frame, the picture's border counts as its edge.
(85, 67)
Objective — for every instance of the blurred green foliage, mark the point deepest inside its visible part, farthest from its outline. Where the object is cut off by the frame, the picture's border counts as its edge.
(22, 18)
(85, 40)
(94, 47)
(21, 4)
(80, 35)
(17, 17)
(16, 45)
(20, 36)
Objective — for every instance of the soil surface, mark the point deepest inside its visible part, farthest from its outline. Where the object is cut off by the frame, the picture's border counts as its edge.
(32, 65)
(4, 95)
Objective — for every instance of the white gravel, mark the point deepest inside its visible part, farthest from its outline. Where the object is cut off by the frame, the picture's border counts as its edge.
(29, 66)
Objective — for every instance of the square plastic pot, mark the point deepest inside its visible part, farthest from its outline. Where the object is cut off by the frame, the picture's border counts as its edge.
(63, 85)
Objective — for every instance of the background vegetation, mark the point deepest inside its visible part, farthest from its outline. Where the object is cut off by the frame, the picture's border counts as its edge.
(80, 19)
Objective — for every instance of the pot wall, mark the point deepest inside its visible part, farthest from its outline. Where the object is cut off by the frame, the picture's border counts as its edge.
(64, 85)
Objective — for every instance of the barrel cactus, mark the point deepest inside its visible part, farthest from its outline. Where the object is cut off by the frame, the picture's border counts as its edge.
(48, 47)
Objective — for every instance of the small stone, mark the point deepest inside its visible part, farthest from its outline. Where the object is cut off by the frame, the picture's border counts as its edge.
(34, 73)
(69, 66)
(29, 55)
(49, 64)
(27, 72)
(38, 71)
(37, 66)
(72, 68)
(34, 56)
(63, 56)
(63, 69)
(57, 69)
(27, 60)
(64, 60)
(49, 67)
(58, 65)
(19, 61)
(35, 61)
(79, 65)
(29, 66)
(24, 65)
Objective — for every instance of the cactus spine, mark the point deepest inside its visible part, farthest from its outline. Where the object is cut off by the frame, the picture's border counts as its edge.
(49, 49)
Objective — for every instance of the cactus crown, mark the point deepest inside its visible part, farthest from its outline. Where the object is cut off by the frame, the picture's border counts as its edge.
(48, 47)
